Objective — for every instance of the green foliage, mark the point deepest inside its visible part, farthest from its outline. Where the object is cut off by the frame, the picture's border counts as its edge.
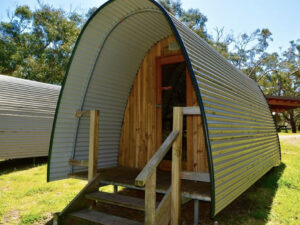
(173, 7)
(37, 44)
(192, 18)
(30, 218)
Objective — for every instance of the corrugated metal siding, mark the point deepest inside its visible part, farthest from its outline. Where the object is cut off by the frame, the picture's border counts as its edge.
(241, 137)
(26, 115)
(112, 79)
(101, 78)
(243, 140)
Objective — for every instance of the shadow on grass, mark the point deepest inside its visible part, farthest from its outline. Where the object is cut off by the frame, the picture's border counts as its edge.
(254, 205)
(11, 165)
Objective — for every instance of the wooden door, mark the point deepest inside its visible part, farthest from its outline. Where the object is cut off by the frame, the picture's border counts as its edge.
(173, 89)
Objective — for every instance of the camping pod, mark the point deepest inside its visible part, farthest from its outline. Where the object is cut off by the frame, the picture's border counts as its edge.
(27, 110)
(144, 99)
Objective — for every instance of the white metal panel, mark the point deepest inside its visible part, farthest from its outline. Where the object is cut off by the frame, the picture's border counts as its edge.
(26, 115)
(101, 73)
(111, 82)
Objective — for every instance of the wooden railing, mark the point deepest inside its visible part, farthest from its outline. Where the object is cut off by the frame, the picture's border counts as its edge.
(151, 166)
(147, 178)
(92, 161)
(169, 208)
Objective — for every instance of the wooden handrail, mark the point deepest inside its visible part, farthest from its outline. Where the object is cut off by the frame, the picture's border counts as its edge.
(169, 208)
(141, 179)
(195, 176)
(92, 161)
(75, 162)
(163, 212)
(191, 110)
(82, 113)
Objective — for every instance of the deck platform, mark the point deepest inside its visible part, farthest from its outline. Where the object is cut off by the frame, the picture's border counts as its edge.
(125, 177)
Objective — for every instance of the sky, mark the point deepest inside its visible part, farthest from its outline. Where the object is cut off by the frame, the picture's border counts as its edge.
(236, 16)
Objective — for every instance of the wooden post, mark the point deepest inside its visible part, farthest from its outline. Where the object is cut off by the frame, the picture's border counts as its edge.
(162, 216)
(93, 144)
(115, 189)
(176, 167)
(196, 211)
(150, 199)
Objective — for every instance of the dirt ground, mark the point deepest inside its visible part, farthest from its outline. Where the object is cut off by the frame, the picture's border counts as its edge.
(293, 139)
(290, 136)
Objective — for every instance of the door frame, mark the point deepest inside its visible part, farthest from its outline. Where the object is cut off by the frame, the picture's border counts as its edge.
(160, 61)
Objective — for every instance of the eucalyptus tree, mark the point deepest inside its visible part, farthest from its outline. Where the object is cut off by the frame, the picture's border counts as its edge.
(37, 44)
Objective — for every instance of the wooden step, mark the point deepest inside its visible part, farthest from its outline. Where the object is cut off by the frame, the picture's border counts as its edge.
(100, 218)
(117, 199)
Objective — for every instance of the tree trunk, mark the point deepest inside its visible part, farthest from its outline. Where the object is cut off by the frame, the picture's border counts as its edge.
(276, 120)
(292, 121)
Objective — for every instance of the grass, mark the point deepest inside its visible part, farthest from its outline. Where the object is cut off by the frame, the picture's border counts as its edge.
(26, 198)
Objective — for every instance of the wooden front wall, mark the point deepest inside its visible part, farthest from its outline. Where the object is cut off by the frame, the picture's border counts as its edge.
(138, 138)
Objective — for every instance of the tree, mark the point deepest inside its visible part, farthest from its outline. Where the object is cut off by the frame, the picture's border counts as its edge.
(249, 51)
(283, 79)
(192, 18)
(291, 85)
(37, 44)
(221, 42)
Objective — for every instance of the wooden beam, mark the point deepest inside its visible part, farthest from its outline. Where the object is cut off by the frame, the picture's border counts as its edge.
(279, 109)
(164, 60)
(196, 211)
(176, 167)
(166, 165)
(163, 212)
(82, 113)
(193, 110)
(93, 144)
(283, 102)
(80, 201)
(76, 162)
(196, 176)
(158, 103)
(150, 199)
(156, 159)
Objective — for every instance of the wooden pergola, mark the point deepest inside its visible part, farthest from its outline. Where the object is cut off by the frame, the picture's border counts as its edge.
(281, 104)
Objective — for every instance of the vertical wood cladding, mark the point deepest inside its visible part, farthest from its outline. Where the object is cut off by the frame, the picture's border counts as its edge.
(138, 139)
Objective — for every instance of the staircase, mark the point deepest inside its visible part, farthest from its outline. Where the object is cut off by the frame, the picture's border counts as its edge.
(94, 216)
(87, 207)
(83, 208)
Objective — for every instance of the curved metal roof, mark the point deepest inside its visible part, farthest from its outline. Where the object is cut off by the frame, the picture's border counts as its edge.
(26, 115)
(240, 134)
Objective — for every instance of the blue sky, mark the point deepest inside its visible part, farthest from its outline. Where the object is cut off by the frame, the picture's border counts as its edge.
(238, 16)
